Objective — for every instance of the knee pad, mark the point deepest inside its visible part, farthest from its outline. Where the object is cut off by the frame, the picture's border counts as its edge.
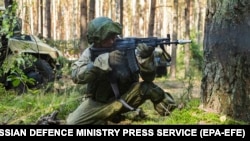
(152, 92)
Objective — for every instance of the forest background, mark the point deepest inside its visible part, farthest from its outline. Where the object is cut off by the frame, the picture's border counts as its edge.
(62, 23)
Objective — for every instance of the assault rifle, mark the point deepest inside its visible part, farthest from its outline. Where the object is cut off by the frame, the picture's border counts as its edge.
(130, 65)
(128, 46)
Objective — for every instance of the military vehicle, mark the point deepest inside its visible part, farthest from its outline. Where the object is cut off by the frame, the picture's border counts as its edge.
(43, 63)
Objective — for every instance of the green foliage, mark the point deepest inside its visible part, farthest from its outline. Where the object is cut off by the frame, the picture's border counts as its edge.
(14, 65)
(197, 53)
(2, 89)
(30, 106)
(191, 114)
(9, 20)
(196, 57)
(11, 65)
(27, 108)
(180, 65)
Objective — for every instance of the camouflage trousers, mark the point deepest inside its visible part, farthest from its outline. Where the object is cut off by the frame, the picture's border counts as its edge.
(93, 112)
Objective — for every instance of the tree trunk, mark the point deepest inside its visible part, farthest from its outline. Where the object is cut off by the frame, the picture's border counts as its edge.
(83, 38)
(91, 9)
(113, 10)
(137, 17)
(226, 76)
(175, 35)
(41, 17)
(7, 3)
(48, 19)
(188, 10)
(121, 12)
(200, 26)
(106, 8)
(151, 18)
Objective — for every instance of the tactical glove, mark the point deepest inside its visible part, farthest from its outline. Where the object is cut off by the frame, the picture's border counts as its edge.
(115, 58)
(144, 51)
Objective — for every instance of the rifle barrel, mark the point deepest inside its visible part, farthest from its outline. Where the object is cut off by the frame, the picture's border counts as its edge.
(184, 41)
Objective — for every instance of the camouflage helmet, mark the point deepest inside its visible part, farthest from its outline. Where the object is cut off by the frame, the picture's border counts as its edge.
(102, 27)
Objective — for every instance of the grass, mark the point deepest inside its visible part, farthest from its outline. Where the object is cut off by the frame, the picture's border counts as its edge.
(191, 114)
(28, 108)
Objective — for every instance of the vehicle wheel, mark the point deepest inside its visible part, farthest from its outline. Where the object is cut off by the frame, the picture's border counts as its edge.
(42, 72)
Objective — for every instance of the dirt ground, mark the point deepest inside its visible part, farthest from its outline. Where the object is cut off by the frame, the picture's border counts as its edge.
(176, 88)
(179, 88)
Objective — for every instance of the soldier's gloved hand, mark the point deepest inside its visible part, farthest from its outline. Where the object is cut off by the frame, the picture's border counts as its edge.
(144, 50)
(115, 58)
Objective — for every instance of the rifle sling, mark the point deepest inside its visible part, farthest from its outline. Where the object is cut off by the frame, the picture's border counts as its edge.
(165, 54)
(115, 89)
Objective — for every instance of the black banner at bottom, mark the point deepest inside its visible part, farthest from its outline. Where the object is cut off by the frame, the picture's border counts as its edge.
(198, 131)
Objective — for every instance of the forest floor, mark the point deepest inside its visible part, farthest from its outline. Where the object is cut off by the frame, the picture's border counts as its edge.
(177, 88)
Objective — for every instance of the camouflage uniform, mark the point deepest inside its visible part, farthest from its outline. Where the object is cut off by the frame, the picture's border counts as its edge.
(102, 105)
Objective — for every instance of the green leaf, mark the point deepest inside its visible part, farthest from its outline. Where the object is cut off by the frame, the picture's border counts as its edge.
(16, 82)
